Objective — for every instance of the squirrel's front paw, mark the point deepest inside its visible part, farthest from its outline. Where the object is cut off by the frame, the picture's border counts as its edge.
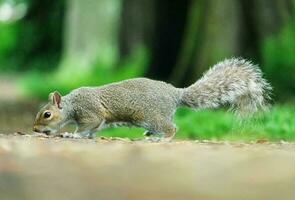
(71, 135)
(152, 139)
(66, 135)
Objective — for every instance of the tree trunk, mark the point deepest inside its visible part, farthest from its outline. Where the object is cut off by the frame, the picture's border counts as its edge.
(136, 26)
(192, 34)
(170, 17)
(39, 44)
(216, 30)
(220, 37)
(91, 29)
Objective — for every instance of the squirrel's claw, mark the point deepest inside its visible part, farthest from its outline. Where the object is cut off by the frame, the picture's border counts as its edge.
(71, 135)
(152, 139)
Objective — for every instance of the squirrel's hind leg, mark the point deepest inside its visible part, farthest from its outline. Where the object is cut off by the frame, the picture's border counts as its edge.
(169, 133)
(163, 128)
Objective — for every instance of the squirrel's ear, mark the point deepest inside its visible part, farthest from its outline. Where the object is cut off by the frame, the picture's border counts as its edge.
(55, 98)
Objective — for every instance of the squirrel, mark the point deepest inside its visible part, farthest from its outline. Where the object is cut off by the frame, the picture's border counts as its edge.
(151, 104)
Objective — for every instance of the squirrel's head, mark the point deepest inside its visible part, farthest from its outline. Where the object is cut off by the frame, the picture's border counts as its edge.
(49, 118)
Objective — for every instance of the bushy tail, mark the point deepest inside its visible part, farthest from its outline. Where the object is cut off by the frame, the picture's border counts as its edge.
(234, 82)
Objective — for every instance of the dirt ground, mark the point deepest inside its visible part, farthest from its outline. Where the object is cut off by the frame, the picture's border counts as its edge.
(34, 167)
(17, 112)
(40, 168)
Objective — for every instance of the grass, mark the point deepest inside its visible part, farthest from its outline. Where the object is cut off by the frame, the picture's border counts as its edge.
(276, 124)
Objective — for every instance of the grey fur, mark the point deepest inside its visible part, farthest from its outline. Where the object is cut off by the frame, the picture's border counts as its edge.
(151, 104)
(235, 82)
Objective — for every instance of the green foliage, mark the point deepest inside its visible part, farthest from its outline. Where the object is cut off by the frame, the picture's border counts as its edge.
(7, 37)
(35, 40)
(279, 61)
(277, 124)
(8, 34)
(66, 78)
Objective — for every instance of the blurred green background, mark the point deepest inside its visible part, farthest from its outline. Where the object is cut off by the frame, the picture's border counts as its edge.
(61, 45)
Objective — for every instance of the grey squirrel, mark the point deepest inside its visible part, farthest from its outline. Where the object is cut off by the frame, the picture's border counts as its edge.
(151, 104)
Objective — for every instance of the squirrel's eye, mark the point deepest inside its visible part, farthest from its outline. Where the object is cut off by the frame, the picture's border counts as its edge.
(47, 114)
